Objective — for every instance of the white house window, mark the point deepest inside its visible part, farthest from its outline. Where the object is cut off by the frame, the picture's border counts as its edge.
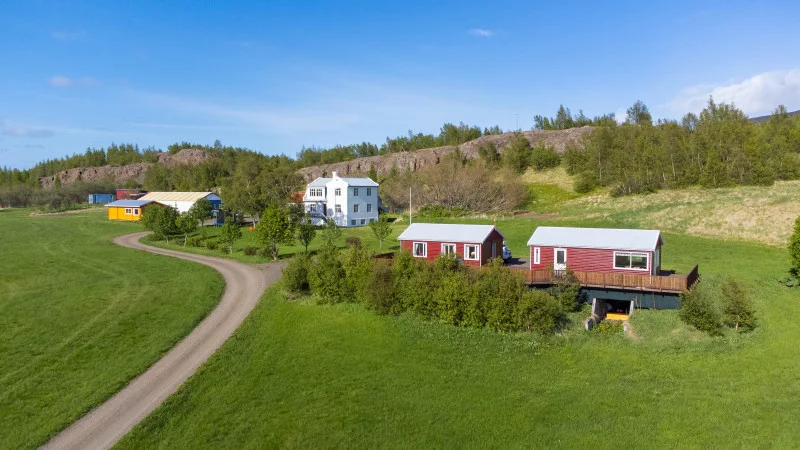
(135, 211)
(449, 249)
(339, 209)
(369, 192)
(363, 221)
(127, 210)
(312, 208)
(536, 255)
(631, 261)
(338, 192)
(353, 222)
(471, 252)
(371, 220)
(420, 249)
(355, 208)
(369, 207)
(316, 192)
(355, 191)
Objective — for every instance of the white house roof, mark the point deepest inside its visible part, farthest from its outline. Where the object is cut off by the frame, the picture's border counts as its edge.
(177, 196)
(441, 232)
(322, 182)
(604, 238)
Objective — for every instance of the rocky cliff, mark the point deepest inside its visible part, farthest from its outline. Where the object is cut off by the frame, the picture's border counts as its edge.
(558, 139)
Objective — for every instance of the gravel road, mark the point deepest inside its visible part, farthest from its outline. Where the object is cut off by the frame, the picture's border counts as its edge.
(109, 422)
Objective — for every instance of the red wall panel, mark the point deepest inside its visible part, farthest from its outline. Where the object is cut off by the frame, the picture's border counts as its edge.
(584, 259)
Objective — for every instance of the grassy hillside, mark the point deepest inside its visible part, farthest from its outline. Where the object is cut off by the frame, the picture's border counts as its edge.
(80, 317)
(302, 375)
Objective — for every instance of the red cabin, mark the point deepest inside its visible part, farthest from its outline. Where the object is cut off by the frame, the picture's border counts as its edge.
(605, 250)
(475, 244)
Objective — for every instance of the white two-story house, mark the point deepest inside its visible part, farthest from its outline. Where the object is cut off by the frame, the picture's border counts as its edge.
(350, 202)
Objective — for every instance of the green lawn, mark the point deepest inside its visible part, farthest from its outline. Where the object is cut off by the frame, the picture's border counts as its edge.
(80, 316)
(301, 375)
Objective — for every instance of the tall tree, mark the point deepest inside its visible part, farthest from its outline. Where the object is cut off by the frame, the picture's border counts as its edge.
(381, 229)
(737, 307)
(186, 223)
(230, 233)
(201, 211)
(306, 232)
(638, 114)
(275, 229)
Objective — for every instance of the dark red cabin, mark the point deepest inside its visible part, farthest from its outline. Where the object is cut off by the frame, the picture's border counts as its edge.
(475, 244)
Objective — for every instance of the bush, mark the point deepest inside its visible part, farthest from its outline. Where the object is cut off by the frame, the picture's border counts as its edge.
(699, 311)
(251, 250)
(357, 263)
(609, 328)
(380, 292)
(353, 241)
(738, 311)
(211, 244)
(194, 241)
(537, 311)
(567, 291)
(450, 297)
(794, 248)
(326, 276)
(544, 157)
(295, 275)
(585, 182)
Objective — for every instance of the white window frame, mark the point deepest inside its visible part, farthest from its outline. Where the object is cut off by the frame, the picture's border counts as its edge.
(338, 192)
(371, 220)
(355, 191)
(369, 192)
(537, 255)
(135, 211)
(355, 208)
(363, 221)
(477, 252)
(353, 222)
(338, 209)
(631, 254)
(369, 207)
(453, 246)
(128, 211)
(312, 208)
(315, 192)
(424, 249)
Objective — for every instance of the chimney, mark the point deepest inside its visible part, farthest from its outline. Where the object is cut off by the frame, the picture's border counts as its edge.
(335, 175)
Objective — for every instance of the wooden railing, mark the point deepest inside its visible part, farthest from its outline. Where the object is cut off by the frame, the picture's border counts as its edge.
(653, 283)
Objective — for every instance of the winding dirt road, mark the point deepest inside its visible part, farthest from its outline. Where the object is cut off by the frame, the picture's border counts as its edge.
(109, 422)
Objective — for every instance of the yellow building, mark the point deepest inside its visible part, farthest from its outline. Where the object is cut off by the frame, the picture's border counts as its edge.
(127, 209)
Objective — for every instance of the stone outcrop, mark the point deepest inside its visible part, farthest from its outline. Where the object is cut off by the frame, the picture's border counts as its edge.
(558, 139)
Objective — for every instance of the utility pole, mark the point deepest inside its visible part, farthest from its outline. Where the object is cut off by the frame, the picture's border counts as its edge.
(409, 205)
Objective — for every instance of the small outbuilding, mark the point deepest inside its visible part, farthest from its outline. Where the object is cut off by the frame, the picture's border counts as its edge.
(130, 210)
(101, 199)
(183, 201)
(609, 250)
(475, 244)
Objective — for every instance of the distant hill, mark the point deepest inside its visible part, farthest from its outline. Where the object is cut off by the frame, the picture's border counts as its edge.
(383, 164)
(760, 119)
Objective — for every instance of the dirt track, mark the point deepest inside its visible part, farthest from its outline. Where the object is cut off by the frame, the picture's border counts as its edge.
(109, 422)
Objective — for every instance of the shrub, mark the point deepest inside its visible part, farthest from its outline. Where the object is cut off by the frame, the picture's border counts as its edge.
(566, 291)
(505, 290)
(737, 309)
(794, 248)
(380, 292)
(544, 157)
(353, 241)
(537, 311)
(449, 297)
(295, 274)
(699, 311)
(356, 262)
(609, 328)
(250, 250)
(211, 244)
(194, 241)
(326, 277)
(585, 182)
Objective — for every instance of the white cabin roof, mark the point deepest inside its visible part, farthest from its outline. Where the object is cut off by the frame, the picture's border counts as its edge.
(602, 238)
(442, 232)
(178, 196)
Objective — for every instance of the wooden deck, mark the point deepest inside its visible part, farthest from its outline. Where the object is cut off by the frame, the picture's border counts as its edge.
(647, 283)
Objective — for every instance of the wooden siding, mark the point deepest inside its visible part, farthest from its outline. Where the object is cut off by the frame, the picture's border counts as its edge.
(586, 260)
(118, 213)
(485, 249)
(627, 281)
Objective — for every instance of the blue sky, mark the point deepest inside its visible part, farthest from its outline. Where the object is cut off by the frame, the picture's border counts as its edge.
(275, 76)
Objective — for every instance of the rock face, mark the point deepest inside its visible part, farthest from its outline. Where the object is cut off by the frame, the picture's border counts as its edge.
(558, 139)
(121, 174)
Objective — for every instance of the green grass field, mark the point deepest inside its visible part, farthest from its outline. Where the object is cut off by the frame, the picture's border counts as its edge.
(302, 375)
(80, 316)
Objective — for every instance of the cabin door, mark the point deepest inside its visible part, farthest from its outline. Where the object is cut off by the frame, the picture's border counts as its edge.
(494, 249)
(560, 259)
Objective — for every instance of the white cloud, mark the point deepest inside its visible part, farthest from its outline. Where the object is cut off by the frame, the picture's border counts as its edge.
(62, 81)
(482, 32)
(757, 95)
(24, 131)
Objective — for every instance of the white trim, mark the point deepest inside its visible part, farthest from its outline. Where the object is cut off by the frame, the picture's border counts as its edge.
(355, 208)
(477, 252)
(129, 211)
(555, 258)
(135, 211)
(645, 254)
(455, 249)
(355, 191)
(424, 248)
(537, 255)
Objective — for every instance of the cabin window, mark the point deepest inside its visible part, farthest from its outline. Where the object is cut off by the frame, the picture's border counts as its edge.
(355, 191)
(420, 249)
(471, 252)
(631, 260)
(127, 211)
(339, 209)
(338, 192)
(369, 207)
(363, 221)
(449, 249)
(355, 208)
(353, 222)
(135, 211)
(369, 192)
(536, 255)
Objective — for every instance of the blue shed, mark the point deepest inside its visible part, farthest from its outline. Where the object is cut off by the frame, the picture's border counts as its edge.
(101, 199)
